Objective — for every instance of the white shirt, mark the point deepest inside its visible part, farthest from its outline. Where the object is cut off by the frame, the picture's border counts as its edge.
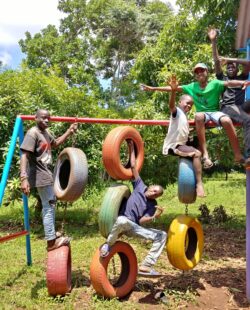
(178, 132)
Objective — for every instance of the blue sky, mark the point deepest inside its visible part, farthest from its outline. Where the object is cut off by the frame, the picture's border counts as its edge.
(19, 16)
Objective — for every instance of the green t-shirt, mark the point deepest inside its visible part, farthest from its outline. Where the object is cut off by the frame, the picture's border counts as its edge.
(205, 99)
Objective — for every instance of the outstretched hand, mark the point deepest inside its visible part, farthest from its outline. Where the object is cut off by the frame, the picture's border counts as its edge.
(145, 87)
(212, 33)
(173, 83)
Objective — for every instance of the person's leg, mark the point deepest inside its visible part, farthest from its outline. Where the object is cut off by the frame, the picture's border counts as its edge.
(158, 237)
(121, 225)
(196, 155)
(200, 120)
(238, 115)
(48, 200)
(227, 124)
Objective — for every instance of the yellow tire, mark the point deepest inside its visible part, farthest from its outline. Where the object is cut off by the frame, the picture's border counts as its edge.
(185, 242)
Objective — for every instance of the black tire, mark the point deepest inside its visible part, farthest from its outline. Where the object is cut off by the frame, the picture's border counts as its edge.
(71, 174)
(114, 198)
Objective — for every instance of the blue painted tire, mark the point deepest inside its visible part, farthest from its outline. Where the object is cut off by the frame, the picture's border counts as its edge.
(186, 181)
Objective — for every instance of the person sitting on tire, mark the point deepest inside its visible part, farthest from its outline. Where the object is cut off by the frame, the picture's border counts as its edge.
(178, 132)
(141, 207)
(35, 171)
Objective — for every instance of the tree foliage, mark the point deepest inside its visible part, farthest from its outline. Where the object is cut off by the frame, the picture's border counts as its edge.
(128, 42)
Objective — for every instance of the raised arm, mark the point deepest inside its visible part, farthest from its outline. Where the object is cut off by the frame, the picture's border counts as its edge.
(132, 159)
(212, 34)
(72, 129)
(163, 88)
(173, 83)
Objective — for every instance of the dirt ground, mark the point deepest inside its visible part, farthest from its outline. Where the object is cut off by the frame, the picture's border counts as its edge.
(217, 282)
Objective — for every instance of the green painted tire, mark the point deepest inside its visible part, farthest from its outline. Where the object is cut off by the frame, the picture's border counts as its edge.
(110, 207)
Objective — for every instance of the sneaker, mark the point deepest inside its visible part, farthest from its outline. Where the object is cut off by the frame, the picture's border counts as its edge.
(147, 272)
(104, 250)
(61, 241)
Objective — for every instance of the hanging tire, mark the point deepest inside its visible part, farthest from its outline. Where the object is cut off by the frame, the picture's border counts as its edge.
(124, 281)
(111, 152)
(114, 198)
(71, 174)
(58, 273)
(185, 242)
(186, 181)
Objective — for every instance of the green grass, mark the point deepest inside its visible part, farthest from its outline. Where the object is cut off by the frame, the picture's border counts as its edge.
(23, 287)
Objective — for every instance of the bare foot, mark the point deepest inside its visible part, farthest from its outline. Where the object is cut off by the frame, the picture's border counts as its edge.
(200, 191)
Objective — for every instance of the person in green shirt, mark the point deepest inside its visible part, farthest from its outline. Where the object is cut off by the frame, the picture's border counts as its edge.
(206, 97)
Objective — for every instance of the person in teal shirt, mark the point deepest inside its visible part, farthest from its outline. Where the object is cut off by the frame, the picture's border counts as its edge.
(206, 97)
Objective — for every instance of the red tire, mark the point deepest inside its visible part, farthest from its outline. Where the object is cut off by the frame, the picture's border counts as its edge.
(111, 152)
(126, 281)
(59, 271)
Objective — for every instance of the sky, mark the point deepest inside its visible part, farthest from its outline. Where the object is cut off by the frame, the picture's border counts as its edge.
(19, 16)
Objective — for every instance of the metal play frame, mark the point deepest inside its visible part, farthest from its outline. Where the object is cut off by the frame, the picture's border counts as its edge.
(18, 132)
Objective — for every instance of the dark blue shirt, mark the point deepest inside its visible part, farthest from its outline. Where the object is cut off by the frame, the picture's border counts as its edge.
(137, 204)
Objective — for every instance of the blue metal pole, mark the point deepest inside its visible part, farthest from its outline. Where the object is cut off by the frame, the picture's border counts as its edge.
(25, 209)
(10, 154)
(248, 206)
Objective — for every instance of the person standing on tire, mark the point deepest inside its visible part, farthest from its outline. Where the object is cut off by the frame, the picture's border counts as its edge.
(141, 207)
(35, 171)
(176, 140)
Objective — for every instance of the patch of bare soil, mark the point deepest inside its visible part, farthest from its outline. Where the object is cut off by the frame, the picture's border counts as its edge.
(217, 282)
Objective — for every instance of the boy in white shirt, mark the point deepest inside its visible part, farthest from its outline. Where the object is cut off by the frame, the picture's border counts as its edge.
(178, 131)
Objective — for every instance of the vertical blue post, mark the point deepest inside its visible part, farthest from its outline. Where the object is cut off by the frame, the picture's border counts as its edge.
(10, 154)
(248, 206)
(25, 209)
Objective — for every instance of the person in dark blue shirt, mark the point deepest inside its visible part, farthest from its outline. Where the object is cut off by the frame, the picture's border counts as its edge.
(141, 207)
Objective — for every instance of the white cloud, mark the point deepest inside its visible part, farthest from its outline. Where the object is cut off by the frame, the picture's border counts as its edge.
(5, 58)
(19, 16)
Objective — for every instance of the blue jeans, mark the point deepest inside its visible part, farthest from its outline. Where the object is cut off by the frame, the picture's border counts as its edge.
(48, 199)
(124, 226)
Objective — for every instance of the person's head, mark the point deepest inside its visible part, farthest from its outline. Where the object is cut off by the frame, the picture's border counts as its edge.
(42, 118)
(186, 102)
(154, 191)
(200, 72)
(232, 70)
(246, 106)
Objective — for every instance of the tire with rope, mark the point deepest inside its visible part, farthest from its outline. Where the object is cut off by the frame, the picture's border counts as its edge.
(70, 174)
(115, 197)
(111, 152)
(186, 181)
(185, 242)
(121, 281)
(58, 275)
